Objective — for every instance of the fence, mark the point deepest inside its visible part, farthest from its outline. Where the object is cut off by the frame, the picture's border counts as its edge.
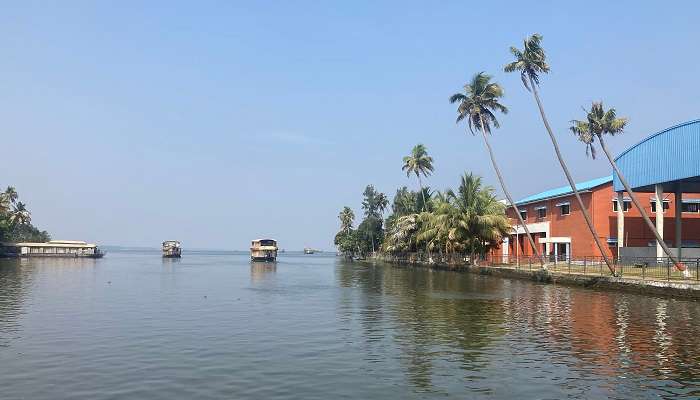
(643, 268)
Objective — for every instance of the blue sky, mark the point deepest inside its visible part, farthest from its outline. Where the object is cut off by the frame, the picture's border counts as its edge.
(128, 123)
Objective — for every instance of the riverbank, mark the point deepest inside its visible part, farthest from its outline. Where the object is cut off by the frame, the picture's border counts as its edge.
(688, 289)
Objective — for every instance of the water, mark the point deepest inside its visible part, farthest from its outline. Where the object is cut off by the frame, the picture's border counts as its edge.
(214, 326)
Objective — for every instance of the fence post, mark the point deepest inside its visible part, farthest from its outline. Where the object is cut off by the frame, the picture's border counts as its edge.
(668, 270)
(584, 265)
(529, 263)
(600, 267)
(697, 269)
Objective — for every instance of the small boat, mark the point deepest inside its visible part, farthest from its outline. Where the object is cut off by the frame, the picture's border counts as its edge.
(263, 250)
(172, 249)
(308, 250)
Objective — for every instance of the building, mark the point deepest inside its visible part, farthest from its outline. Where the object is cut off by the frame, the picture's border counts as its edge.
(663, 171)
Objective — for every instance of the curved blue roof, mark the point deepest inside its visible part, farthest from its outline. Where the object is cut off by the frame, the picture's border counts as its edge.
(564, 190)
(668, 156)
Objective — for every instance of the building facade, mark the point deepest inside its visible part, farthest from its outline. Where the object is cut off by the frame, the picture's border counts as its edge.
(559, 228)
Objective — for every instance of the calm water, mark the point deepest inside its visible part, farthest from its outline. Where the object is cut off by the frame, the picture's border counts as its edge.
(210, 325)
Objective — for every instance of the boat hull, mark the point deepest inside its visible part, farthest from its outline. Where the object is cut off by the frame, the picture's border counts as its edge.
(97, 255)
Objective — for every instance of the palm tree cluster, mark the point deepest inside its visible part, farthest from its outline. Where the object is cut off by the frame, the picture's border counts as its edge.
(15, 220)
(481, 100)
(469, 219)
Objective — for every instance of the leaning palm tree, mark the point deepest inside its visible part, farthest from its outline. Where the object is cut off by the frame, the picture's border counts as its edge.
(419, 163)
(477, 105)
(597, 124)
(531, 62)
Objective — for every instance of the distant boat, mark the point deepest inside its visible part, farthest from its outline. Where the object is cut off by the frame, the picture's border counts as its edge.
(53, 248)
(263, 250)
(308, 250)
(172, 249)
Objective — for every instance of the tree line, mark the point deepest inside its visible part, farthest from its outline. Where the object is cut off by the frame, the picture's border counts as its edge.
(469, 219)
(478, 104)
(16, 220)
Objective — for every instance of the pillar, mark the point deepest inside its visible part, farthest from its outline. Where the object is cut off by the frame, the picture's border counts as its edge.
(659, 189)
(620, 223)
(679, 220)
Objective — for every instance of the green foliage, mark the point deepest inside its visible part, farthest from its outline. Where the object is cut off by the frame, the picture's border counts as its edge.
(468, 219)
(598, 122)
(479, 102)
(15, 220)
(530, 61)
(418, 163)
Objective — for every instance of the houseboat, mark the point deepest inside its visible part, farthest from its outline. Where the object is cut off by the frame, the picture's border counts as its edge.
(308, 250)
(54, 248)
(172, 249)
(263, 250)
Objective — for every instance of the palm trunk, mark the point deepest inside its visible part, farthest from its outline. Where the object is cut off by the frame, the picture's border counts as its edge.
(629, 191)
(586, 215)
(420, 185)
(506, 192)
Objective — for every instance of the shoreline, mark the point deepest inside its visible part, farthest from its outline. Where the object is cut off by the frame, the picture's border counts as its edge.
(673, 289)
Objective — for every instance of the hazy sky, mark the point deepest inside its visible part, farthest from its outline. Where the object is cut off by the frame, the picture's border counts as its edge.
(127, 123)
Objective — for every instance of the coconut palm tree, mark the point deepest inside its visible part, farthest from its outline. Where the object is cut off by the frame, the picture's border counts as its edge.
(477, 105)
(20, 215)
(419, 163)
(599, 123)
(346, 217)
(531, 62)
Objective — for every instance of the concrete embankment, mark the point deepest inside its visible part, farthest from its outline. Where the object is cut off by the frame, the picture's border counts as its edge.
(677, 289)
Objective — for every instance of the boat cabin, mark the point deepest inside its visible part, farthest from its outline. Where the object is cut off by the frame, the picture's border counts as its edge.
(53, 248)
(263, 250)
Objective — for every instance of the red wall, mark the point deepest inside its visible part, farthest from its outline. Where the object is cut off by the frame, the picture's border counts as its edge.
(599, 203)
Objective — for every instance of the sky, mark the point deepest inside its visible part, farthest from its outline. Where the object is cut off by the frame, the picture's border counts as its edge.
(214, 123)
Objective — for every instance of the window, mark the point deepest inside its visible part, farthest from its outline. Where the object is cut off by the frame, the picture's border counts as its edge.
(523, 214)
(541, 212)
(666, 204)
(626, 205)
(565, 209)
(691, 207)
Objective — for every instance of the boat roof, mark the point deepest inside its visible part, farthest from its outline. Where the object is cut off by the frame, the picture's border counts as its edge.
(54, 243)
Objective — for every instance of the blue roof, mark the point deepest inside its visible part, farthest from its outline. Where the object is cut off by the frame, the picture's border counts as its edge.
(667, 156)
(564, 190)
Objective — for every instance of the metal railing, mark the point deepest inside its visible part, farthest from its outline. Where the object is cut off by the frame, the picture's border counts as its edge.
(644, 268)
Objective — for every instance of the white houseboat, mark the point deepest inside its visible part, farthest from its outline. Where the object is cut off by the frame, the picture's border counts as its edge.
(172, 249)
(54, 248)
(263, 250)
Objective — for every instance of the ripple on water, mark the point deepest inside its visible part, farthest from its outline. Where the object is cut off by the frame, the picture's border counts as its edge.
(216, 326)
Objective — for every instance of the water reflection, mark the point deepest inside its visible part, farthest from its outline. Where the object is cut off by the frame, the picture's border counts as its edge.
(262, 270)
(15, 283)
(443, 318)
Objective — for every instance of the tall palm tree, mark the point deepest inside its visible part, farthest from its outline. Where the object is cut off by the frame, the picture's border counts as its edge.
(419, 163)
(477, 105)
(20, 215)
(531, 62)
(597, 124)
(346, 217)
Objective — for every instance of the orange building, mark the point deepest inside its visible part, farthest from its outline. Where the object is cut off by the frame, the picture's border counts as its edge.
(559, 229)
